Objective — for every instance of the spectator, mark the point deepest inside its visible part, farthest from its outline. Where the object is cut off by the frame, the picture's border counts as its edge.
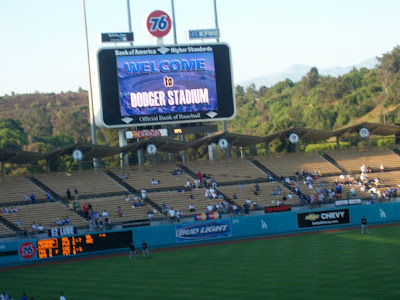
(246, 208)
(107, 222)
(40, 228)
(199, 177)
(48, 197)
(26, 199)
(171, 214)
(191, 207)
(33, 198)
(33, 227)
(151, 215)
(144, 194)
(76, 193)
(382, 168)
(127, 199)
(68, 192)
(85, 208)
(120, 212)
(178, 215)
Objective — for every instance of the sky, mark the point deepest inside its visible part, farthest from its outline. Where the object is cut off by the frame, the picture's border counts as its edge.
(43, 41)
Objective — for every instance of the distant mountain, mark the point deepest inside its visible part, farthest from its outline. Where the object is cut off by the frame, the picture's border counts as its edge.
(296, 72)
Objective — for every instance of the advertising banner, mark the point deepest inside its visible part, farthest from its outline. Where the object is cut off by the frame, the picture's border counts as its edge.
(203, 231)
(323, 218)
(136, 223)
(59, 231)
(207, 216)
(277, 208)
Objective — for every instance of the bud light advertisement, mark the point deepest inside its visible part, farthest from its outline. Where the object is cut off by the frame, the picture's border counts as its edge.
(203, 231)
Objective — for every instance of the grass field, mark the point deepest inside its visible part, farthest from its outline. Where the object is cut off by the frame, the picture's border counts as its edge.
(327, 265)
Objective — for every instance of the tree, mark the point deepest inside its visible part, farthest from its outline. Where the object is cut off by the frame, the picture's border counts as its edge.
(310, 80)
(389, 64)
(12, 134)
(39, 122)
(74, 122)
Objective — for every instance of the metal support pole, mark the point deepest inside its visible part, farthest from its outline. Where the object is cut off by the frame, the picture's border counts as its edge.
(184, 152)
(216, 17)
(128, 8)
(90, 92)
(124, 159)
(173, 21)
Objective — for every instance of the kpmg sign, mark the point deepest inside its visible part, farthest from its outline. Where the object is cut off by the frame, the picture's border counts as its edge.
(203, 231)
(203, 34)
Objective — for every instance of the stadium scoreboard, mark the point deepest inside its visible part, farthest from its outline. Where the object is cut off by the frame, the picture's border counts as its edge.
(141, 86)
(81, 244)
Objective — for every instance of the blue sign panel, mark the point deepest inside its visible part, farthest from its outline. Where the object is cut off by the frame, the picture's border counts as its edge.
(203, 34)
(203, 231)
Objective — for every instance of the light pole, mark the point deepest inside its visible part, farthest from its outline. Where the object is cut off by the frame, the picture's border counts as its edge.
(90, 93)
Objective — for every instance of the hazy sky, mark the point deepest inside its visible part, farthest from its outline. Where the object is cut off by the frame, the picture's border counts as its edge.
(43, 43)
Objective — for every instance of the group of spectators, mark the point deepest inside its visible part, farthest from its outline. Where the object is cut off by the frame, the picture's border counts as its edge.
(96, 219)
(365, 182)
(9, 210)
(173, 215)
(69, 195)
(136, 201)
(64, 221)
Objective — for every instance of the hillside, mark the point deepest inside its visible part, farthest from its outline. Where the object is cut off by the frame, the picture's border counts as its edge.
(322, 102)
(43, 121)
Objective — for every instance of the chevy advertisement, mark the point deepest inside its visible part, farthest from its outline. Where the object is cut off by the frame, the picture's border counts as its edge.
(323, 218)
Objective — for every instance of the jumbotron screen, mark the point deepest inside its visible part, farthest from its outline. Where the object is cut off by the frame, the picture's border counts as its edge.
(164, 84)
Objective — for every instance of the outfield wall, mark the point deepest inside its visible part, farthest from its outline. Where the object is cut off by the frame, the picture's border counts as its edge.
(182, 234)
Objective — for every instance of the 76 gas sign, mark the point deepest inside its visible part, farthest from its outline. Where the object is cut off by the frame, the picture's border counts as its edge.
(158, 23)
(27, 250)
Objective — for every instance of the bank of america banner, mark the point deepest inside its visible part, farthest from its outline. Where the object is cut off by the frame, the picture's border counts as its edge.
(203, 231)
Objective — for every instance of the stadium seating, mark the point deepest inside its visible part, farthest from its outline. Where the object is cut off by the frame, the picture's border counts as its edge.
(352, 159)
(264, 197)
(5, 231)
(13, 190)
(286, 164)
(180, 201)
(110, 204)
(88, 182)
(141, 177)
(44, 213)
(227, 171)
(107, 192)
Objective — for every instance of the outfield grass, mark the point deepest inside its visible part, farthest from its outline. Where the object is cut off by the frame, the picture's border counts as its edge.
(330, 265)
